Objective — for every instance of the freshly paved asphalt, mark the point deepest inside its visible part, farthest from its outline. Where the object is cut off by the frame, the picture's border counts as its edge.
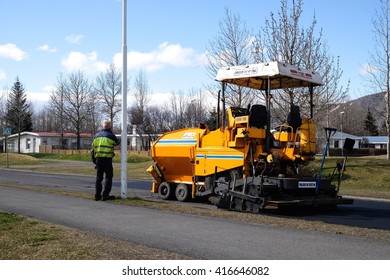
(196, 236)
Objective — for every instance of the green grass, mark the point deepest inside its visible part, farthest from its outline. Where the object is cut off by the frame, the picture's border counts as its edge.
(367, 175)
(131, 158)
(17, 159)
(14, 240)
(23, 238)
(364, 176)
(7, 221)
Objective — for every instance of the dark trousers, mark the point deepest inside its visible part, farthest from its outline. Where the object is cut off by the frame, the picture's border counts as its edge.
(103, 166)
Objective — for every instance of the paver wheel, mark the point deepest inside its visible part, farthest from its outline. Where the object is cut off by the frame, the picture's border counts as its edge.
(182, 192)
(165, 191)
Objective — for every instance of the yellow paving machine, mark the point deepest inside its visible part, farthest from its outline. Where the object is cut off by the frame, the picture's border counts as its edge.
(245, 164)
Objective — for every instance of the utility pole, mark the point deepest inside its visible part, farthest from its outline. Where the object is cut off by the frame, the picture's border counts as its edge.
(124, 105)
(342, 149)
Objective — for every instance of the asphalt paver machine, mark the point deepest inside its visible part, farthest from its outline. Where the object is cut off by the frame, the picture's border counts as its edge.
(245, 164)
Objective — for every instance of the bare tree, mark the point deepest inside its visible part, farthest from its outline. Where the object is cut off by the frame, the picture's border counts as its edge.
(94, 120)
(186, 109)
(72, 98)
(231, 46)
(56, 107)
(196, 107)
(137, 112)
(283, 38)
(158, 119)
(177, 107)
(3, 100)
(141, 91)
(379, 65)
(108, 88)
(43, 121)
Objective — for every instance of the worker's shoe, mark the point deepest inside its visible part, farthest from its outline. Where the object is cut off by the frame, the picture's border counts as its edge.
(110, 197)
(97, 198)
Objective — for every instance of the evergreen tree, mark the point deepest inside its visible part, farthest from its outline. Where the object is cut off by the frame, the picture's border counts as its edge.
(212, 119)
(370, 125)
(19, 115)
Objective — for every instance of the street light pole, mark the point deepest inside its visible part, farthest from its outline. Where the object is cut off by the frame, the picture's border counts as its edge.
(124, 105)
(342, 149)
(193, 101)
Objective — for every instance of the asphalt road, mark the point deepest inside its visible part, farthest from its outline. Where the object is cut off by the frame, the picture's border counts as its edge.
(196, 236)
(200, 237)
(363, 213)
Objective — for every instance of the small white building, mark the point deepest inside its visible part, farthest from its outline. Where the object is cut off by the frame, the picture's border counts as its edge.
(376, 142)
(338, 140)
(138, 142)
(31, 141)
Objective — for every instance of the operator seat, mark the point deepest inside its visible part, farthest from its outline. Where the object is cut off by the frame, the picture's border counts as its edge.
(294, 117)
(258, 116)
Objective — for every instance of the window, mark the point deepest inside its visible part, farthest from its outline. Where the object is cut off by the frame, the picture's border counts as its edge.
(28, 143)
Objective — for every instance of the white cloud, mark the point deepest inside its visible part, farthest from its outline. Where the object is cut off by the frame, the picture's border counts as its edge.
(74, 39)
(46, 48)
(37, 96)
(49, 89)
(87, 63)
(38, 99)
(12, 51)
(2, 75)
(160, 98)
(165, 55)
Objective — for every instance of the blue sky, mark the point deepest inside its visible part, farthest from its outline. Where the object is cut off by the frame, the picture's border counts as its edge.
(40, 39)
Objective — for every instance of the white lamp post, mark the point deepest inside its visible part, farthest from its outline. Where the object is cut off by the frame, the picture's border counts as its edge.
(342, 136)
(124, 106)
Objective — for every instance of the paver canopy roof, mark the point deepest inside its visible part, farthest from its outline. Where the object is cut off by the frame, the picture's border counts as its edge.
(273, 75)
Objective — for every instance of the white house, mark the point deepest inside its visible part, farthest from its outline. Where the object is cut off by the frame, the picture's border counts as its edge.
(30, 141)
(338, 140)
(376, 142)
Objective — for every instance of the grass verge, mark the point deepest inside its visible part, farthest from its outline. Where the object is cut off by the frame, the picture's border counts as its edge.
(30, 239)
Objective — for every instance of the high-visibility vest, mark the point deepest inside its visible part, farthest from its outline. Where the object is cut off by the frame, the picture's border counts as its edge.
(104, 143)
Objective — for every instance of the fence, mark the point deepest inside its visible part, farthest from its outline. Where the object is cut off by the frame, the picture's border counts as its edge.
(358, 152)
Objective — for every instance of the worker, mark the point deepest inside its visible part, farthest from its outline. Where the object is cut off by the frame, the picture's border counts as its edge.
(102, 154)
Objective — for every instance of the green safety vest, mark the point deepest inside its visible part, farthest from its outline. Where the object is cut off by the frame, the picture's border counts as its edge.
(103, 147)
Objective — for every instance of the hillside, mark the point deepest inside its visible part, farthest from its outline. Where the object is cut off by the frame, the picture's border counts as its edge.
(355, 112)
(371, 102)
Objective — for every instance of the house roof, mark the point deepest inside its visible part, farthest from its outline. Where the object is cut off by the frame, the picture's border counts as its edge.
(65, 134)
(375, 139)
(343, 135)
(50, 134)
